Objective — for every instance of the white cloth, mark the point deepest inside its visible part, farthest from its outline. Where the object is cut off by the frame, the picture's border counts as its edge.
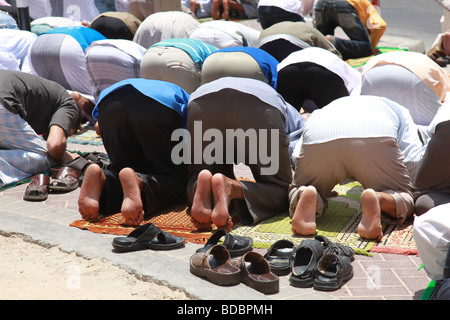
(224, 34)
(164, 25)
(76, 10)
(328, 60)
(365, 117)
(55, 22)
(112, 60)
(14, 48)
(431, 234)
(204, 10)
(404, 87)
(301, 7)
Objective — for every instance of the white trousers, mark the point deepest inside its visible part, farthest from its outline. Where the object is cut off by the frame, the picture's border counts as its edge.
(432, 236)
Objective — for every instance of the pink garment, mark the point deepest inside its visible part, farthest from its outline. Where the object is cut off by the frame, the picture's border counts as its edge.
(4, 3)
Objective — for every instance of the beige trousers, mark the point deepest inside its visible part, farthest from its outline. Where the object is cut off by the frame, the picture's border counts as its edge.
(376, 163)
(172, 65)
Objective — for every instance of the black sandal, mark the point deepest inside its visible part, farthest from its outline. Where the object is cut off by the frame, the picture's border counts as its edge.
(332, 271)
(147, 236)
(304, 261)
(236, 245)
(279, 257)
(336, 248)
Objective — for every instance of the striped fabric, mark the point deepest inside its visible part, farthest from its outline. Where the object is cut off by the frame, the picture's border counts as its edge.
(223, 34)
(60, 58)
(22, 151)
(365, 117)
(110, 61)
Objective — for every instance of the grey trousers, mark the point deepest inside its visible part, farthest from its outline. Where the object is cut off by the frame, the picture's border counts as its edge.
(227, 110)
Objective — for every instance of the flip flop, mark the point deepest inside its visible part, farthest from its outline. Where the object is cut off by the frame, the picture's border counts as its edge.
(279, 257)
(236, 245)
(255, 273)
(214, 265)
(147, 236)
(37, 189)
(66, 180)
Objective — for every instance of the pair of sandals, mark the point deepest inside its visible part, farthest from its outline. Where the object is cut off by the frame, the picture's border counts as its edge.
(147, 236)
(317, 263)
(64, 179)
(213, 262)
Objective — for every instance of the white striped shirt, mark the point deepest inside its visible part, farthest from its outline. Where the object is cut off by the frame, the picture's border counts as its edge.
(365, 117)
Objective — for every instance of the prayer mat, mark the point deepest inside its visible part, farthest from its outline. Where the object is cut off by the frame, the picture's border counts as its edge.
(176, 221)
(339, 224)
(86, 136)
(359, 62)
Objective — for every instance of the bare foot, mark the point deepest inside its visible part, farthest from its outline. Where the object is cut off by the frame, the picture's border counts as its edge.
(304, 218)
(226, 9)
(446, 43)
(370, 225)
(201, 204)
(224, 190)
(215, 10)
(90, 192)
(132, 207)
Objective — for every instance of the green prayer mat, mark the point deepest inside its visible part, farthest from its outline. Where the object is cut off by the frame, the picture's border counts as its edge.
(86, 136)
(339, 223)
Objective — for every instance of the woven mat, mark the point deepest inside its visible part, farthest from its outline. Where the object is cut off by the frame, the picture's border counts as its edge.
(86, 136)
(339, 224)
(176, 221)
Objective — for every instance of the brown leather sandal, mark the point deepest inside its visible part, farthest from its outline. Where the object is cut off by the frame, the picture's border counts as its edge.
(214, 265)
(37, 189)
(66, 180)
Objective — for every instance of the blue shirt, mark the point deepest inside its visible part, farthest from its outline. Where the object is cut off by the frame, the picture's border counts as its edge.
(198, 50)
(84, 36)
(166, 93)
(266, 61)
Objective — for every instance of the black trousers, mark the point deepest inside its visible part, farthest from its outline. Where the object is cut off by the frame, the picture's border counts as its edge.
(303, 81)
(136, 132)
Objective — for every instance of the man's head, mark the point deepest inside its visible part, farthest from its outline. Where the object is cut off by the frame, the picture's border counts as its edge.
(86, 106)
